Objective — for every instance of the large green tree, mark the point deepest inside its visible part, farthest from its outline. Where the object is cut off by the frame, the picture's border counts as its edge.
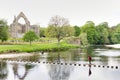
(69, 31)
(89, 29)
(59, 28)
(30, 36)
(77, 31)
(3, 30)
(103, 34)
(42, 32)
(115, 34)
(83, 39)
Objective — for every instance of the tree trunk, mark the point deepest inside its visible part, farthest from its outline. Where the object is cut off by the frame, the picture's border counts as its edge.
(30, 43)
(58, 37)
(58, 41)
(2, 42)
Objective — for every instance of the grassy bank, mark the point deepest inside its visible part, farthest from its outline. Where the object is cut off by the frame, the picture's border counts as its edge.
(36, 47)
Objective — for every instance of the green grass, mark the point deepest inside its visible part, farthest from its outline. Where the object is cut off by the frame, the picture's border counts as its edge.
(36, 47)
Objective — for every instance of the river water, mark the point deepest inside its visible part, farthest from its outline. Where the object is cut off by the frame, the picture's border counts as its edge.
(75, 65)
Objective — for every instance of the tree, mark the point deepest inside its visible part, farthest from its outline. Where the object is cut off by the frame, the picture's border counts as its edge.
(3, 30)
(89, 29)
(103, 34)
(59, 28)
(77, 31)
(115, 34)
(42, 32)
(30, 36)
(83, 38)
(69, 31)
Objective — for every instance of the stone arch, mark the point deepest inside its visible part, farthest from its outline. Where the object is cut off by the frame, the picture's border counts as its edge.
(21, 15)
(17, 29)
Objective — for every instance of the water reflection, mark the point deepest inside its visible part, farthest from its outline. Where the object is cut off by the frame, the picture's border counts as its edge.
(81, 55)
(16, 70)
(71, 55)
(55, 57)
(90, 59)
(60, 72)
(90, 72)
(19, 70)
(24, 71)
(3, 70)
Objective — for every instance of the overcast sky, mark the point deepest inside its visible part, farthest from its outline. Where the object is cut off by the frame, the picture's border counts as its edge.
(77, 11)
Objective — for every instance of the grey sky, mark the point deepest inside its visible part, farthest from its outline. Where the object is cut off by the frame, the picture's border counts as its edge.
(77, 11)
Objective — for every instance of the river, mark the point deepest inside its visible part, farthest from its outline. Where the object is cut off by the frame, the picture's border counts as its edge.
(75, 65)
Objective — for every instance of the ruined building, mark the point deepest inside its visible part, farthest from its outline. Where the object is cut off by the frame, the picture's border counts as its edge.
(17, 30)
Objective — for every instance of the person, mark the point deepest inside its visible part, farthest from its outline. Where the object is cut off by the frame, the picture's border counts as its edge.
(89, 59)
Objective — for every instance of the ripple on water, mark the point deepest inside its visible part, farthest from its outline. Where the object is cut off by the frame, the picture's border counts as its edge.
(110, 53)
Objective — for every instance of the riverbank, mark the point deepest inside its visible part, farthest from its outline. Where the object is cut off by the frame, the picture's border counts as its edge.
(36, 47)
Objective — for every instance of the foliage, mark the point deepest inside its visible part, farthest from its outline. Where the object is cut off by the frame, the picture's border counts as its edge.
(77, 31)
(89, 29)
(42, 32)
(30, 36)
(83, 38)
(59, 28)
(3, 30)
(69, 31)
(103, 34)
(115, 36)
(100, 34)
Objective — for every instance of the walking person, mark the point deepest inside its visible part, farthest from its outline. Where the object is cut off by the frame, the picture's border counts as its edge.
(89, 59)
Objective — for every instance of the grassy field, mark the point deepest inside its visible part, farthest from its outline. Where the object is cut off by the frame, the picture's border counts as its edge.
(35, 47)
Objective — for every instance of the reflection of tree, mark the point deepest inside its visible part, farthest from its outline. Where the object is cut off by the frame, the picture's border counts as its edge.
(3, 70)
(74, 54)
(15, 69)
(60, 72)
(88, 52)
(53, 57)
(117, 59)
(70, 55)
(35, 57)
(104, 60)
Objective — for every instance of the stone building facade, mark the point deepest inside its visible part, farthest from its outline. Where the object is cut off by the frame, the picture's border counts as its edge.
(17, 30)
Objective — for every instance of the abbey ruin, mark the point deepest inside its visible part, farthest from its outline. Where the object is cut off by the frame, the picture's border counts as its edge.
(17, 30)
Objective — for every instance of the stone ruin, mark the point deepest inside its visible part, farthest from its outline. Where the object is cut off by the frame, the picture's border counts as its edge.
(17, 30)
